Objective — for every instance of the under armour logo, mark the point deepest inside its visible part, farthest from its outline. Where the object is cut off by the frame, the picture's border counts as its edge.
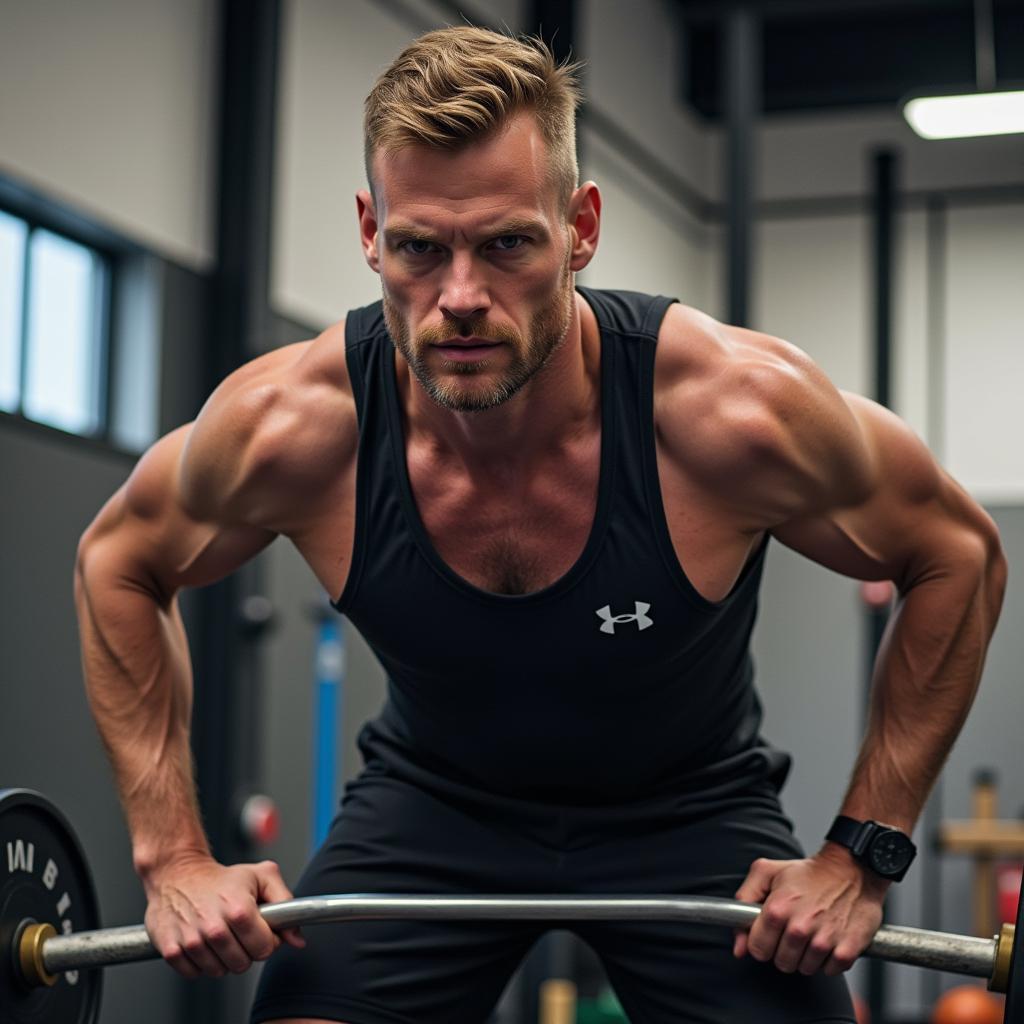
(641, 618)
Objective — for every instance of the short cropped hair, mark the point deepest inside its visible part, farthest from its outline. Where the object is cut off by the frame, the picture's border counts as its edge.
(455, 85)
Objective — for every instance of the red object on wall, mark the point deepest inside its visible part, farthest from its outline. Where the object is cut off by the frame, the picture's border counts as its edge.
(261, 822)
(1008, 881)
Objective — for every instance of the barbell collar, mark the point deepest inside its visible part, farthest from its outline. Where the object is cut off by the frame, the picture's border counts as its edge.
(30, 940)
(958, 954)
(1000, 979)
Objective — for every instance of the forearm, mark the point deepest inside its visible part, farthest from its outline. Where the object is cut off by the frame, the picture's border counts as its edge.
(138, 680)
(925, 678)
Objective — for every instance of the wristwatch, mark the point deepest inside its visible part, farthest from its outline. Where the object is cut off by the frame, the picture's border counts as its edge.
(887, 851)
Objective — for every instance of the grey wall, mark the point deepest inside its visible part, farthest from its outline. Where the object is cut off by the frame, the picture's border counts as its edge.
(47, 740)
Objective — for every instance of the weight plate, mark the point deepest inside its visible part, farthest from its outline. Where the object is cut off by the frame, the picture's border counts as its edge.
(1015, 986)
(43, 876)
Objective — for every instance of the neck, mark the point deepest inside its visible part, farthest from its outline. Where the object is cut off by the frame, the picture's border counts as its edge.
(557, 405)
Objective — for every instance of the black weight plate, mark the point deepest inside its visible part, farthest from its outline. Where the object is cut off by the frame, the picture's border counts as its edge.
(44, 876)
(1015, 986)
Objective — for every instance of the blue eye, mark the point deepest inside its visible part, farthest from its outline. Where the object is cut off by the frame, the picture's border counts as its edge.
(510, 248)
(407, 247)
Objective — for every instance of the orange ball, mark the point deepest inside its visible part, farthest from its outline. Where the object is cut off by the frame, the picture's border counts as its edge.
(967, 1004)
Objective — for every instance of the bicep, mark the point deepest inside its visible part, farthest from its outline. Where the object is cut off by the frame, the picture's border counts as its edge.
(913, 520)
(146, 537)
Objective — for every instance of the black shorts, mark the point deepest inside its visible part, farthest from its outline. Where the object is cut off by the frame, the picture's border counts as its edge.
(394, 835)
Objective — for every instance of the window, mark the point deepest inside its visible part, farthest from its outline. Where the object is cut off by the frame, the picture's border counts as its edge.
(53, 328)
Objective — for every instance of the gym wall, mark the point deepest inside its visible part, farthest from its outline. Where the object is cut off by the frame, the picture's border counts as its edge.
(107, 108)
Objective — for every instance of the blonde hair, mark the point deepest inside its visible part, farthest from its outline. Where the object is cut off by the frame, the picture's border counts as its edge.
(455, 85)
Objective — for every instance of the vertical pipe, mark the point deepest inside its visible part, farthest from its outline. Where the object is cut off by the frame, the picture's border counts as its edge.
(884, 164)
(883, 175)
(935, 326)
(330, 675)
(984, 46)
(930, 871)
(741, 89)
(226, 717)
(557, 22)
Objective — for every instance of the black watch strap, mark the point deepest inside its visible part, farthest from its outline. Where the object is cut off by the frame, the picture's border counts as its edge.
(849, 832)
(884, 850)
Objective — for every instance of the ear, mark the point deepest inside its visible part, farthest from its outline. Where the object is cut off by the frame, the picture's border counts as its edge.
(584, 219)
(368, 228)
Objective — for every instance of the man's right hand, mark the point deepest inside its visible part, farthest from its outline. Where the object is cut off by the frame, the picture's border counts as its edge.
(203, 917)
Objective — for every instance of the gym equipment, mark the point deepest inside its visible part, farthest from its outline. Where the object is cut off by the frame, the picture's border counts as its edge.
(985, 838)
(49, 920)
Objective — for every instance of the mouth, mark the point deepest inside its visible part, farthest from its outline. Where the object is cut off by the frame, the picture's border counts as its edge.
(465, 349)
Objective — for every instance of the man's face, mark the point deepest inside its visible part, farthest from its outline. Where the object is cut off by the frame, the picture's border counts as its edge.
(474, 257)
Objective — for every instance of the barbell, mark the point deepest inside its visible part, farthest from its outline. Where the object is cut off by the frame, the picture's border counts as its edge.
(49, 923)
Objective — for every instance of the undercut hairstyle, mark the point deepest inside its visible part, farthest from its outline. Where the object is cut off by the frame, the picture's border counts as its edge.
(454, 86)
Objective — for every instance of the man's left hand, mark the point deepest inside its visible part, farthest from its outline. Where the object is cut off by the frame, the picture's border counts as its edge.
(818, 914)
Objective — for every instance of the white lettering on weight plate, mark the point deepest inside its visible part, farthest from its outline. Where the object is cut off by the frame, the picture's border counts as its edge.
(20, 856)
(50, 873)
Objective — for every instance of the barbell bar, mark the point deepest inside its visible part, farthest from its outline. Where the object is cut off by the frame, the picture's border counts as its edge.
(44, 954)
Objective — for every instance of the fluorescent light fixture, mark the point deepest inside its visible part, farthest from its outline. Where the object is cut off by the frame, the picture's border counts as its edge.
(966, 116)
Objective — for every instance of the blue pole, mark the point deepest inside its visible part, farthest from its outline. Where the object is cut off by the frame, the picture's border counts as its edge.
(330, 674)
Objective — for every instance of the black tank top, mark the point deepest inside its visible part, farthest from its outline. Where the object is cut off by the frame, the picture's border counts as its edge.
(616, 682)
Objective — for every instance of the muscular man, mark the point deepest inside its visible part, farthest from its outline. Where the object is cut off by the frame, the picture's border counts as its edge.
(546, 508)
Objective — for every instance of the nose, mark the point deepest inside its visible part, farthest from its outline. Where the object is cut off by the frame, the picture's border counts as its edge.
(463, 293)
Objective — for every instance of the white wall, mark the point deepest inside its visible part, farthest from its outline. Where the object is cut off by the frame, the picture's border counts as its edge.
(633, 53)
(109, 106)
(811, 289)
(649, 242)
(985, 351)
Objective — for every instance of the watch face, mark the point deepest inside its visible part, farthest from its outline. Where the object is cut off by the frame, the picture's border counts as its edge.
(890, 853)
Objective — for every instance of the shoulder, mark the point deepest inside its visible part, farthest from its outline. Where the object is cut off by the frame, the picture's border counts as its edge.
(279, 425)
(756, 419)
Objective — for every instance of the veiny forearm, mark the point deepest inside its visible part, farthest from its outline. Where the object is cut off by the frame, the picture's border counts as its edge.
(925, 679)
(138, 680)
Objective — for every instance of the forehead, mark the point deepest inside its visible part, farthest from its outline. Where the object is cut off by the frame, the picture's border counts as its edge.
(506, 170)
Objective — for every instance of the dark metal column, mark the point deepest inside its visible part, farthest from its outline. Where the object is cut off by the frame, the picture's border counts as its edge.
(557, 22)
(931, 869)
(226, 725)
(884, 163)
(883, 176)
(742, 88)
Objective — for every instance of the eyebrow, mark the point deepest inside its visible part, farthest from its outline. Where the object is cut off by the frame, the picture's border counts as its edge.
(515, 226)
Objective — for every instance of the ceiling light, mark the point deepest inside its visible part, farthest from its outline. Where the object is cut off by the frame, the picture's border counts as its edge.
(987, 111)
(965, 116)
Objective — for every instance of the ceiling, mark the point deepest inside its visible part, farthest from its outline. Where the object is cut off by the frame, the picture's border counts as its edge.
(828, 54)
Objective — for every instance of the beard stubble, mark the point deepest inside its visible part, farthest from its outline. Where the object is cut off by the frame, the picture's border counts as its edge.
(547, 330)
